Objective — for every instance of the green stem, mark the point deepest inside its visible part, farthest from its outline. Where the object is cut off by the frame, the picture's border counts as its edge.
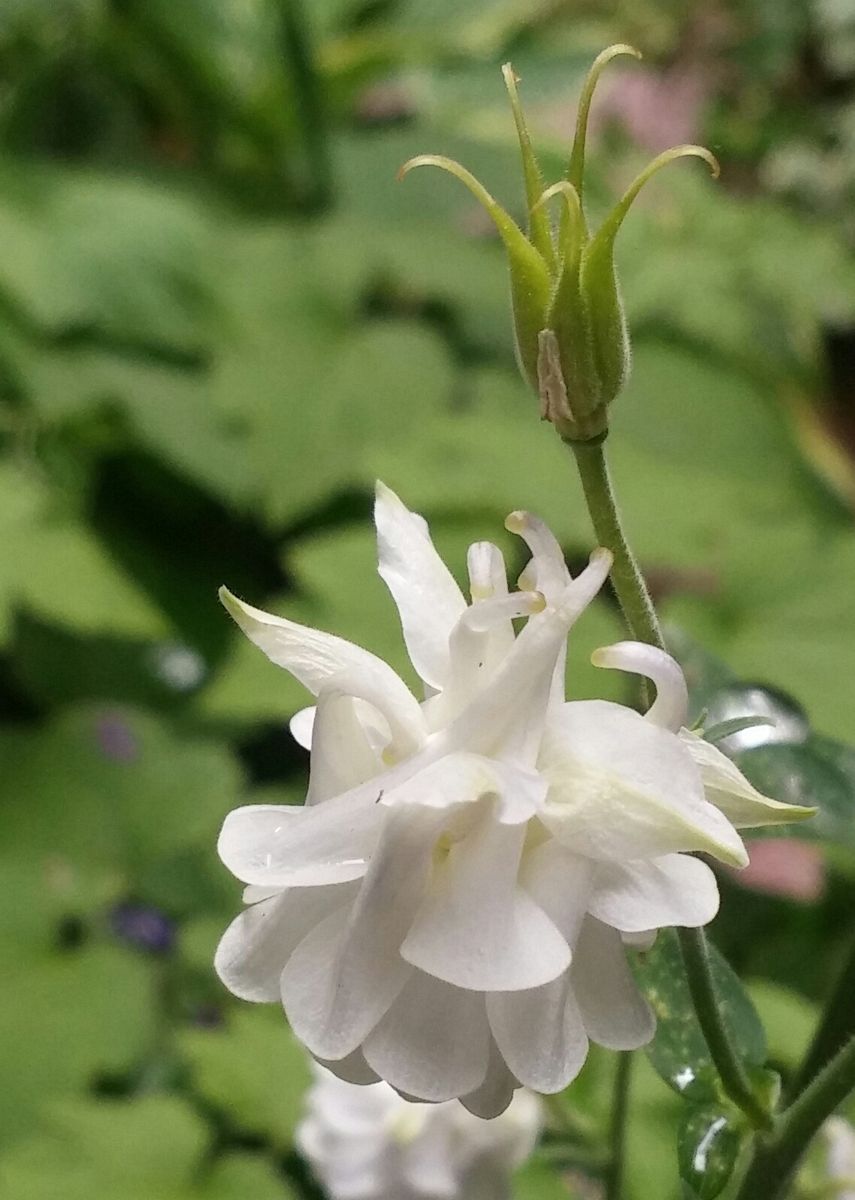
(778, 1155)
(737, 1085)
(617, 1138)
(834, 1030)
(627, 579)
(643, 624)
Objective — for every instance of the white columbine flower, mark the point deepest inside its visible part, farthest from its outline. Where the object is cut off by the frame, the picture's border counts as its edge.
(448, 912)
(367, 1143)
(840, 1159)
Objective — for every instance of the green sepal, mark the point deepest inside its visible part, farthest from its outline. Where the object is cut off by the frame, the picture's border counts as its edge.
(539, 230)
(531, 282)
(570, 321)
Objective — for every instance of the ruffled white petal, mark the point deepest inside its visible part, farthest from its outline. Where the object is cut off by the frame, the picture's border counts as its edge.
(256, 946)
(622, 788)
(286, 846)
(319, 659)
(463, 779)
(346, 974)
(428, 599)
(352, 1069)
(434, 1041)
(614, 1012)
(671, 706)
(342, 755)
(540, 1034)
(478, 928)
(728, 789)
(636, 897)
(496, 1092)
(560, 882)
(506, 719)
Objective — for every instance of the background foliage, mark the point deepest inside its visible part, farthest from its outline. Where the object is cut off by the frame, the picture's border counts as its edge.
(220, 320)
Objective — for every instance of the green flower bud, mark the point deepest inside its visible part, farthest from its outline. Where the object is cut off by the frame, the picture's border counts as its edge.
(570, 331)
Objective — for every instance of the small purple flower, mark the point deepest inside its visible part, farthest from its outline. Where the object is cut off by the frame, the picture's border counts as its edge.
(143, 926)
(116, 739)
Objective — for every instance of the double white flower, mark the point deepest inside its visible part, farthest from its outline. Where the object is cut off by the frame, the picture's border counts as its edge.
(449, 910)
(369, 1144)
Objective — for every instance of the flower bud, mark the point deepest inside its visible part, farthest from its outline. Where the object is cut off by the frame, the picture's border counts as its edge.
(570, 331)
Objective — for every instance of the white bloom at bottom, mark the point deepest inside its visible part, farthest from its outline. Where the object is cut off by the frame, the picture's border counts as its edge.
(367, 1143)
(839, 1138)
(448, 912)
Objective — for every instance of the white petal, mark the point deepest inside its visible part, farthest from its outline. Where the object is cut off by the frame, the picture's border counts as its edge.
(644, 940)
(428, 599)
(428, 1162)
(256, 946)
(434, 1041)
(635, 897)
(728, 789)
(487, 576)
(547, 571)
(560, 882)
(622, 788)
(352, 1069)
(288, 846)
(345, 975)
(671, 706)
(614, 1012)
(496, 1092)
(342, 755)
(478, 928)
(320, 660)
(463, 779)
(540, 1034)
(506, 718)
(301, 725)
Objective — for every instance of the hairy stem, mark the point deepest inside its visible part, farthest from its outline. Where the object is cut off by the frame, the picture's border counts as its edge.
(628, 582)
(737, 1085)
(777, 1156)
(643, 624)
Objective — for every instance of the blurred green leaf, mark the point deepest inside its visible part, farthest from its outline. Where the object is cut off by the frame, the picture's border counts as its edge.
(709, 1141)
(152, 1148)
(55, 566)
(540, 1181)
(679, 1051)
(66, 1015)
(253, 1071)
(102, 793)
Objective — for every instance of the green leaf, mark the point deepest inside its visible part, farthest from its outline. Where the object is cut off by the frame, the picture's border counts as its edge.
(679, 1052)
(101, 794)
(65, 1015)
(53, 565)
(539, 1181)
(709, 1141)
(254, 1071)
(151, 1148)
(818, 772)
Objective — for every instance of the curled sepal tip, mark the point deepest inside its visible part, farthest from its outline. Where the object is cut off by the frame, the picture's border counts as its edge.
(572, 226)
(576, 168)
(531, 282)
(613, 221)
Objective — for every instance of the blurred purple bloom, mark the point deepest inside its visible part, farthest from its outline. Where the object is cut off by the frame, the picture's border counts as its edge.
(143, 926)
(116, 739)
